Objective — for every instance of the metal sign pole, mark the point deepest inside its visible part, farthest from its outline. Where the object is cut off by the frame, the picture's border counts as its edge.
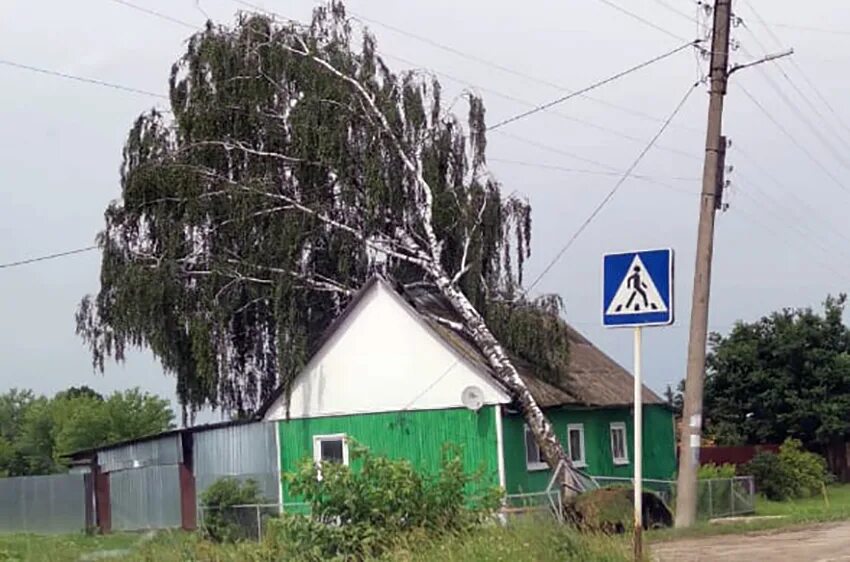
(638, 448)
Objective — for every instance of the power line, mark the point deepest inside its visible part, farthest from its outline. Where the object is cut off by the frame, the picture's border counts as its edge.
(566, 169)
(611, 193)
(47, 257)
(676, 11)
(486, 62)
(803, 74)
(796, 142)
(81, 79)
(593, 86)
(550, 111)
(463, 82)
(813, 29)
(641, 19)
(159, 15)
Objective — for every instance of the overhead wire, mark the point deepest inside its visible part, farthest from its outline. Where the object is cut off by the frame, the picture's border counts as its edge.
(641, 19)
(83, 79)
(593, 86)
(485, 62)
(777, 41)
(47, 257)
(550, 111)
(793, 139)
(155, 13)
(676, 11)
(611, 193)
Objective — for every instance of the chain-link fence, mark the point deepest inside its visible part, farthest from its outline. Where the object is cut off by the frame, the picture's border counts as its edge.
(236, 522)
(545, 502)
(719, 497)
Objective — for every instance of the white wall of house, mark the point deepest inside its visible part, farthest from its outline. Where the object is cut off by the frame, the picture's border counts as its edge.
(383, 358)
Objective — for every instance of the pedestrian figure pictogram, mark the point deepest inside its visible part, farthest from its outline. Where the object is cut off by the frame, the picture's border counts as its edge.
(637, 288)
(636, 284)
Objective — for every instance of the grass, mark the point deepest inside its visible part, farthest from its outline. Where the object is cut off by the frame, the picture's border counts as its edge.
(59, 548)
(523, 541)
(795, 513)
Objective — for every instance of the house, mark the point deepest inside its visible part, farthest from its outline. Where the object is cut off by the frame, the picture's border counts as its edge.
(391, 376)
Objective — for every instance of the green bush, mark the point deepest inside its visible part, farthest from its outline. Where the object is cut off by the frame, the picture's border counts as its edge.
(360, 513)
(793, 473)
(222, 522)
(713, 471)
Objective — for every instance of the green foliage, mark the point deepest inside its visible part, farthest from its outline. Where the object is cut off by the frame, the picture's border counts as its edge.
(787, 375)
(37, 432)
(793, 473)
(223, 519)
(367, 510)
(207, 264)
(711, 471)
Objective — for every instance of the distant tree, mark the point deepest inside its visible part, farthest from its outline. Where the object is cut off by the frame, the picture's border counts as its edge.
(786, 375)
(45, 430)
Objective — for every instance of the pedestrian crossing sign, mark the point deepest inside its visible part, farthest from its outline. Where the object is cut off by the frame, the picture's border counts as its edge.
(637, 288)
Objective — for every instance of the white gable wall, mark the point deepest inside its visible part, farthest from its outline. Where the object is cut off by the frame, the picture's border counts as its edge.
(383, 358)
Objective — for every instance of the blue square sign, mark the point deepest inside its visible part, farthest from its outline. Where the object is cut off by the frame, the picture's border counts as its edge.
(637, 288)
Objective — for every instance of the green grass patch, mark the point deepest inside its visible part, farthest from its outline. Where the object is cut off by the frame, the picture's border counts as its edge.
(59, 548)
(526, 540)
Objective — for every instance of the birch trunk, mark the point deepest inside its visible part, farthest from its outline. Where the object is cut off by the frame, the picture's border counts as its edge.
(551, 448)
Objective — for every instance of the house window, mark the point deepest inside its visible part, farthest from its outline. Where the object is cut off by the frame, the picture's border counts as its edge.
(619, 449)
(575, 441)
(330, 448)
(533, 458)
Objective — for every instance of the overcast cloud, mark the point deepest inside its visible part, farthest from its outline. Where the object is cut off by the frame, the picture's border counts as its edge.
(783, 241)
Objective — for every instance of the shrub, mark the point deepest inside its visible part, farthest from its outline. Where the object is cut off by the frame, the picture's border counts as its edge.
(356, 514)
(222, 522)
(713, 471)
(793, 473)
(807, 470)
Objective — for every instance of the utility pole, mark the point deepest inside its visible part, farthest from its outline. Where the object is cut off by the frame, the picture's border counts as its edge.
(712, 186)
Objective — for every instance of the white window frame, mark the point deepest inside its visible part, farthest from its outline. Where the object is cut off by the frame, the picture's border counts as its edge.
(619, 426)
(582, 459)
(317, 446)
(531, 465)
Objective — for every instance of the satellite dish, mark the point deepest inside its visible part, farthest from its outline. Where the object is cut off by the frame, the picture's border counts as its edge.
(472, 397)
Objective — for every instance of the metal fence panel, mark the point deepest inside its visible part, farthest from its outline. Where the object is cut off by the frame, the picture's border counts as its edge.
(162, 451)
(241, 451)
(145, 498)
(43, 504)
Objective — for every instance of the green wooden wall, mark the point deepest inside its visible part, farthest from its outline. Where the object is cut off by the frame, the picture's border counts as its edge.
(415, 435)
(659, 458)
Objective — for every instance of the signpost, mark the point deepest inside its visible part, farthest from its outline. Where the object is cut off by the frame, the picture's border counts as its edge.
(637, 291)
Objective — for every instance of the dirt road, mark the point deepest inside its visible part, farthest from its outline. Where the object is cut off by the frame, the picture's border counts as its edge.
(821, 543)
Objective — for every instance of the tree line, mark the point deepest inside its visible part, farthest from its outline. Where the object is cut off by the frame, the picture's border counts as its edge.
(36, 432)
(786, 375)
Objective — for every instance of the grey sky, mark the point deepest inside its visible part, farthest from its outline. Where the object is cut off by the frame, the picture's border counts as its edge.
(782, 243)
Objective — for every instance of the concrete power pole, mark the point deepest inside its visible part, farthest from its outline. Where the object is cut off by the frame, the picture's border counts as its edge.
(712, 185)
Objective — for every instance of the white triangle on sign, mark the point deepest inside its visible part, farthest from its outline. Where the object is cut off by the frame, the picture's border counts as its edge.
(637, 293)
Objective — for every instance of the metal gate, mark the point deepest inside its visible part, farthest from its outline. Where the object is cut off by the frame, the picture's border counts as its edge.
(145, 498)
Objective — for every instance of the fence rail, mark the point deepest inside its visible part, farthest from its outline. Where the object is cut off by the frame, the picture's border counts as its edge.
(718, 497)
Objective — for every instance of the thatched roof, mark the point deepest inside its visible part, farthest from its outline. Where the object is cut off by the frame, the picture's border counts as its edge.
(593, 379)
